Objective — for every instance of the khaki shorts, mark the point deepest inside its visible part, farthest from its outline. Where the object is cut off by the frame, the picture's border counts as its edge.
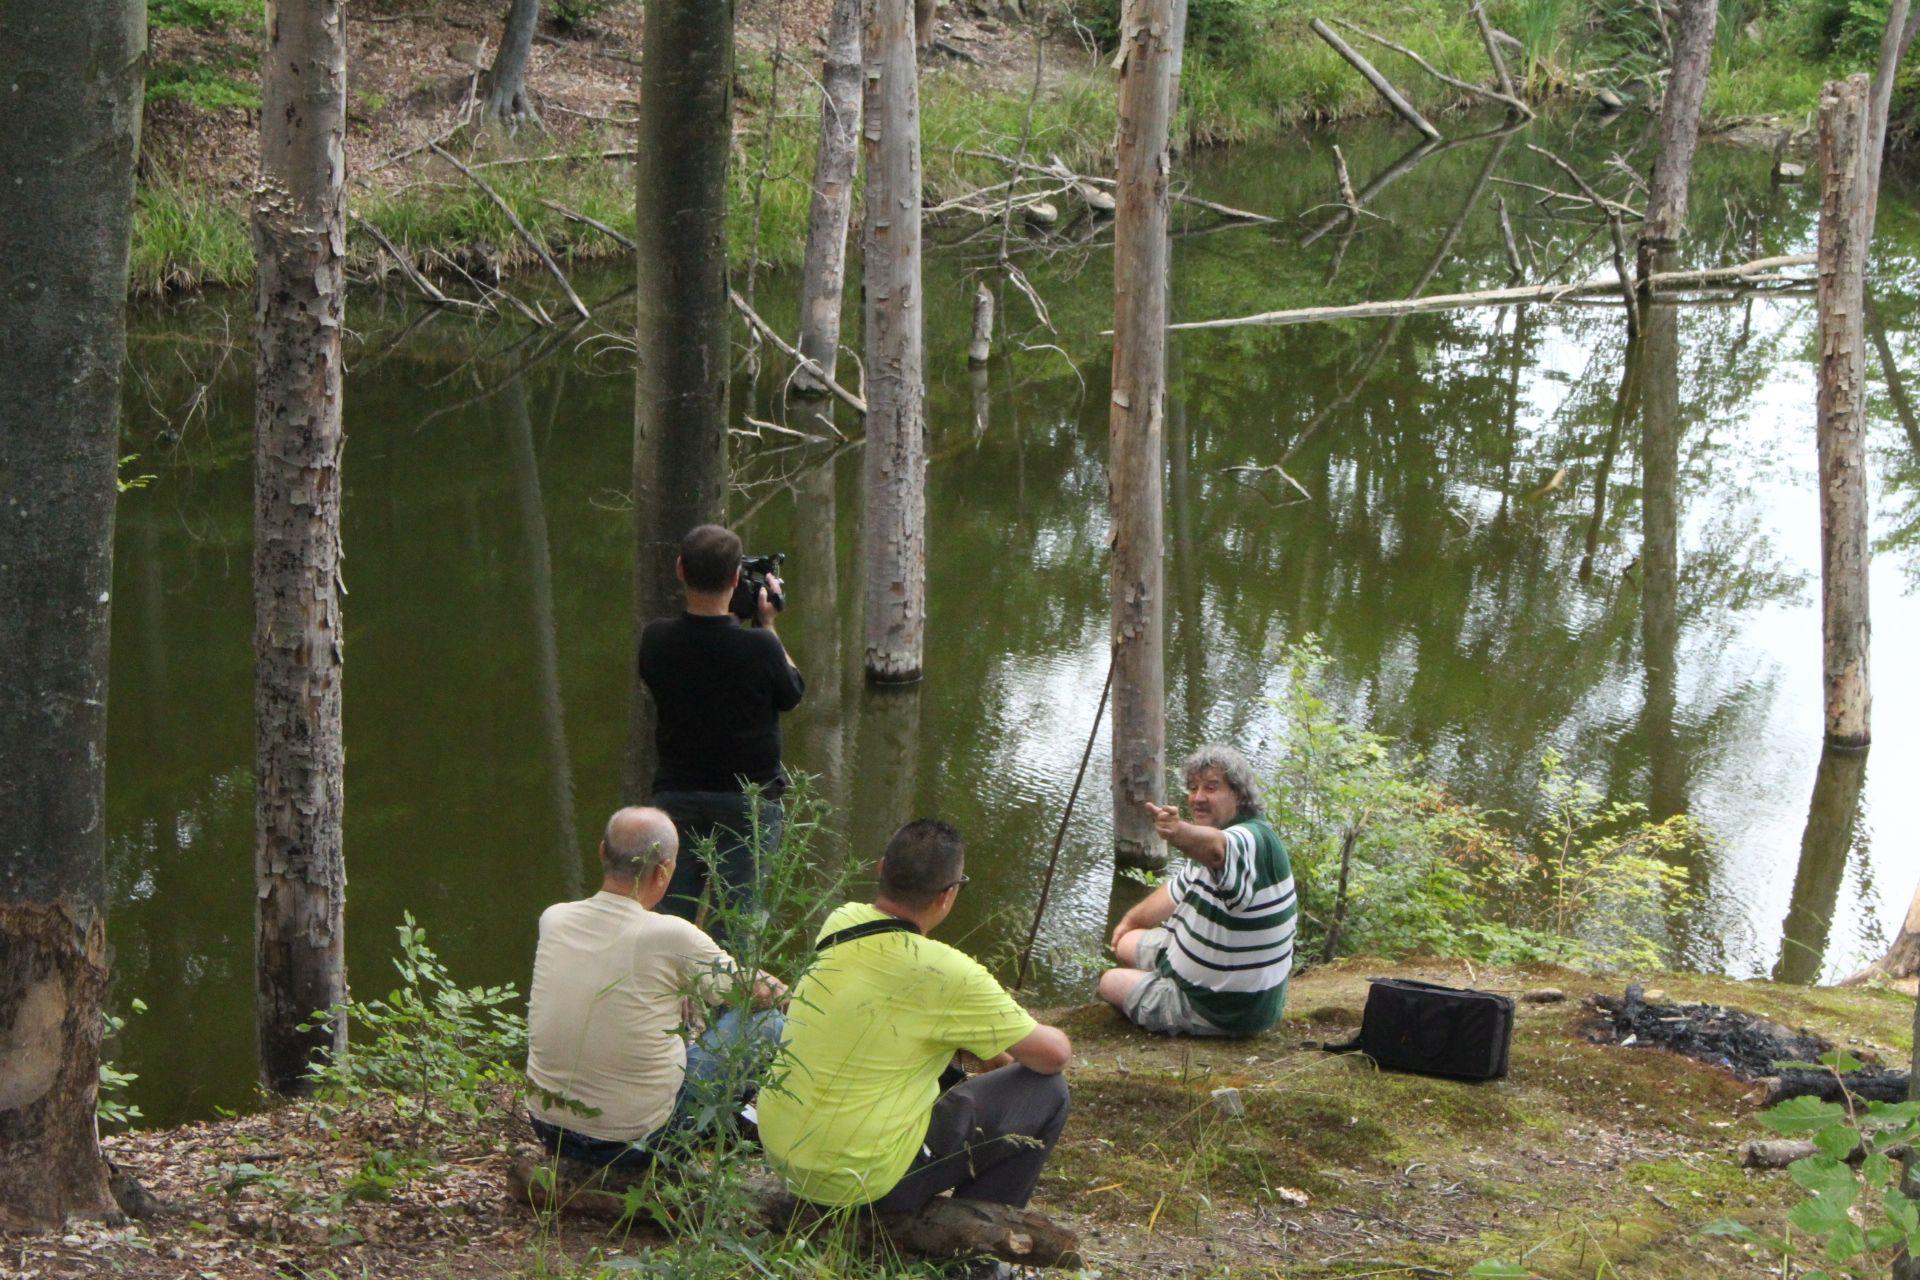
(1160, 1004)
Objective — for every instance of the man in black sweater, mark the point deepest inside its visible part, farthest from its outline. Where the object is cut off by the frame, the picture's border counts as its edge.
(718, 689)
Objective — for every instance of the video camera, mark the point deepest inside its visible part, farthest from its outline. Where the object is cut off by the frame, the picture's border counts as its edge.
(745, 604)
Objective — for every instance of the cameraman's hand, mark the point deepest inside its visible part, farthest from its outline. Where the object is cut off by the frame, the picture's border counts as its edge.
(766, 610)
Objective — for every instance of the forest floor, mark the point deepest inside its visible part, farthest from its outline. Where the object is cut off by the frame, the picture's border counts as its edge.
(1589, 1159)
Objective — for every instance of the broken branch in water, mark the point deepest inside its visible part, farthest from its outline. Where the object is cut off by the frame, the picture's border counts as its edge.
(1606, 207)
(792, 352)
(533, 241)
(1512, 103)
(1060, 172)
(1743, 275)
(1381, 85)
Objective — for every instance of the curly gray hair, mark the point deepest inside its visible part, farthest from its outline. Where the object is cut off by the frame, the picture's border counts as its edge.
(1233, 769)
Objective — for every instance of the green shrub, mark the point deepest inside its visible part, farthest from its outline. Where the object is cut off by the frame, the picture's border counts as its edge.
(205, 88)
(205, 15)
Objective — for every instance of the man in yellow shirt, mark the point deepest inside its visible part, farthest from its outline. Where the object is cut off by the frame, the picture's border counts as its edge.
(856, 1115)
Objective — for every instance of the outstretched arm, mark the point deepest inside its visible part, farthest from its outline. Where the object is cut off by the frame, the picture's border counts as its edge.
(1205, 845)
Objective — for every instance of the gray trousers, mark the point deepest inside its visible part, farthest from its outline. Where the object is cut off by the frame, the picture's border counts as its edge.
(988, 1140)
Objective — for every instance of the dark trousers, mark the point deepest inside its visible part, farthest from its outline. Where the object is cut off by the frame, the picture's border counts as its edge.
(732, 880)
(988, 1140)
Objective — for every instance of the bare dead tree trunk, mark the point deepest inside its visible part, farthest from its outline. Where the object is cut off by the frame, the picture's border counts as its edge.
(1679, 127)
(1136, 450)
(506, 81)
(980, 345)
(896, 449)
(1656, 366)
(1844, 548)
(73, 93)
(824, 271)
(924, 12)
(681, 317)
(1902, 20)
(299, 232)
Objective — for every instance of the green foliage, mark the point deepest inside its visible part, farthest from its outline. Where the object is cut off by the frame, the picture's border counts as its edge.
(204, 88)
(568, 14)
(110, 1106)
(1590, 886)
(125, 483)
(1858, 1213)
(435, 1050)
(206, 15)
(1226, 28)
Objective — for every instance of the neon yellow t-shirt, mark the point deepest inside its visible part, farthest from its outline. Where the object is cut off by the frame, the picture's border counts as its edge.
(868, 1030)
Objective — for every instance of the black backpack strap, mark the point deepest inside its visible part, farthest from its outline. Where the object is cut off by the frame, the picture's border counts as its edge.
(870, 929)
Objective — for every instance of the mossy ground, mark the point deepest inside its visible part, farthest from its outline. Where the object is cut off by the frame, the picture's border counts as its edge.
(1588, 1160)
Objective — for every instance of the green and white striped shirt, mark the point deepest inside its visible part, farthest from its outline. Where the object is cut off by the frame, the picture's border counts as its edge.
(1232, 944)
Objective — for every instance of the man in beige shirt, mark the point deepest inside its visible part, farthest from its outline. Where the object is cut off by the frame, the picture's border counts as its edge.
(614, 1077)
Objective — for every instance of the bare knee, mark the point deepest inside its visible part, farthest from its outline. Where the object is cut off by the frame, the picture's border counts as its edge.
(1117, 984)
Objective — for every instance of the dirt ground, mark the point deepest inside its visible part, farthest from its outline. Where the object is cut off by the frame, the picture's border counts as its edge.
(1587, 1153)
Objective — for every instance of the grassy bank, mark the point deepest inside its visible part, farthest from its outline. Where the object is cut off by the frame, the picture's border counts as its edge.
(1253, 71)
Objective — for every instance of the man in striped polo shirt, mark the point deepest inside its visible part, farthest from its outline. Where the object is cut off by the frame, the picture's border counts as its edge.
(1207, 953)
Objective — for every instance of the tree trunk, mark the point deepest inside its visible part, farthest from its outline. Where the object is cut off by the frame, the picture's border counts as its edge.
(1656, 365)
(896, 448)
(1666, 218)
(681, 325)
(73, 99)
(1136, 450)
(1902, 20)
(923, 15)
(824, 272)
(1824, 848)
(1841, 432)
(299, 230)
(980, 345)
(506, 83)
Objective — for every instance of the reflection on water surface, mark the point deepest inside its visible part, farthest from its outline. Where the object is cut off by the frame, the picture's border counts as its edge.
(1516, 538)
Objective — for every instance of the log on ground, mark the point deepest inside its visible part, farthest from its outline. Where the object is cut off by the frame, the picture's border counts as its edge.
(946, 1227)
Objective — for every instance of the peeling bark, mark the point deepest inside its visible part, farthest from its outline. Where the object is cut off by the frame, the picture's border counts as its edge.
(895, 546)
(506, 81)
(1666, 217)
(72, 90)
(1841, 431)
(299, 232)
(824, 271)
(1136, 452)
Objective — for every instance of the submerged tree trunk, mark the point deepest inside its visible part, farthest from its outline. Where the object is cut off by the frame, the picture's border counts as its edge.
(896, 448)
(824, 272)
(299, 230)
(1841, 430)
(73, 99)
(1666, 218)
(506, 80)
(1656, 367)
(1902, 20)
(1824, 845)
(1136, 451)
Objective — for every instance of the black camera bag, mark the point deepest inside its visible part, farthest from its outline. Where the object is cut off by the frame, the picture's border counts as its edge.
(1433, 1030)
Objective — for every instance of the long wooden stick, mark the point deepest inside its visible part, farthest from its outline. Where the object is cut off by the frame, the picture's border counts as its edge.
(1512, 103)
(1613, 225)
(1493, 52)
(1379, 82)
(532, 240)
(430, 291)
(1659, 281)
(792, 352)
(574, 215)
(1066, 176)
(1059, 836)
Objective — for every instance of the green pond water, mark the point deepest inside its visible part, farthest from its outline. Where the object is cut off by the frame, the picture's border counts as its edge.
(1471, 606)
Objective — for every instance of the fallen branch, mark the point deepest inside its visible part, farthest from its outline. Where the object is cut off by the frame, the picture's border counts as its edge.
(427, 288)
(1613, 225)
(1512, 103)
(532, 240)
(1506, 234)
(792, 353)
(1380, 83)
(1060, 172)
(574, 215)
(617, 153)
(1626, 210)
(1493, 51)
(1660, 281)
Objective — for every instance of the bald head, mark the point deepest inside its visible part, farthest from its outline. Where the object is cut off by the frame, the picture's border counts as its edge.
(637, 840)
